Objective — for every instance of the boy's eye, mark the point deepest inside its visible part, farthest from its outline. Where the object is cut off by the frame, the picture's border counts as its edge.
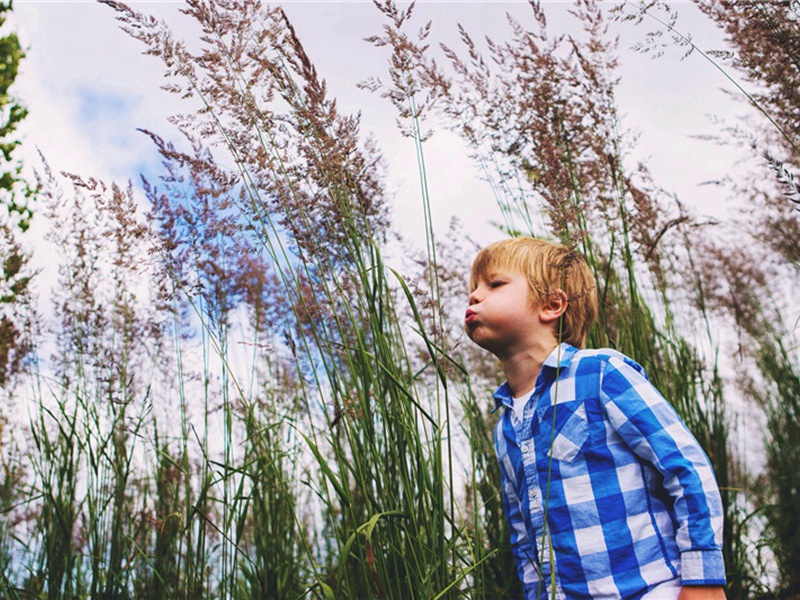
(495, 284)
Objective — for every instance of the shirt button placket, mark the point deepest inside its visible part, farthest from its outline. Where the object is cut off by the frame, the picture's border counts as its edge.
(528, 451)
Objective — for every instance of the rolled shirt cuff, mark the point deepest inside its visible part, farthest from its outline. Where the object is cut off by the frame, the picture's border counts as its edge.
(702, 567)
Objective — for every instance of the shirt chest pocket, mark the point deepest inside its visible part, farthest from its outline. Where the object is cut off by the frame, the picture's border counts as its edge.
(568, 431)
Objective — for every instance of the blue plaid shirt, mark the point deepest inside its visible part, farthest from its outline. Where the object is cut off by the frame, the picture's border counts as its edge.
(629, 499)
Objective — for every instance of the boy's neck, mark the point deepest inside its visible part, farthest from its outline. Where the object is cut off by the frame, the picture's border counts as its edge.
(522, 368)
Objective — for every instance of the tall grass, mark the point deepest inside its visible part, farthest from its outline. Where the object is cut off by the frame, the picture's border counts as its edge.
(366, 441)
(749, 284)
(273, 410)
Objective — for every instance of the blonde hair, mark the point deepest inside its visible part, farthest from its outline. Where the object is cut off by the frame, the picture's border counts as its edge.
(549, 267)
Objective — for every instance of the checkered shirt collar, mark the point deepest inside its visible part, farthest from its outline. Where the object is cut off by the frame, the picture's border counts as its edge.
(559, 358)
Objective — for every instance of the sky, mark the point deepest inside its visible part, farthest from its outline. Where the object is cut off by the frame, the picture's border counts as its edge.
(88, 88)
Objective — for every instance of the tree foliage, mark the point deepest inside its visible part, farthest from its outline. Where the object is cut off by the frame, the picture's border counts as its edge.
(15, 211)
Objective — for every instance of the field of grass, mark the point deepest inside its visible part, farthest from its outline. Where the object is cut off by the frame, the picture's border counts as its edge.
(235, 396)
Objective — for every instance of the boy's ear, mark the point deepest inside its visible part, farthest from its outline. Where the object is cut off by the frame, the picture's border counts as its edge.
(554, 306)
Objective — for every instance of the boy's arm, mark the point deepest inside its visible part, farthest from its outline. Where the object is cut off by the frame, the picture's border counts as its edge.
(650, 427)
(701, 592)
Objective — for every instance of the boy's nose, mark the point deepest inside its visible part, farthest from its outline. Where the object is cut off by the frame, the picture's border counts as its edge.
(473, 298)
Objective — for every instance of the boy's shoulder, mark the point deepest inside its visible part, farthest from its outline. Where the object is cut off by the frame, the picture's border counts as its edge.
(584, 361)
(594, 365)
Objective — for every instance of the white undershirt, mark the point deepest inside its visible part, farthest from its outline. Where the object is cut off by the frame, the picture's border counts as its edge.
(518, 406)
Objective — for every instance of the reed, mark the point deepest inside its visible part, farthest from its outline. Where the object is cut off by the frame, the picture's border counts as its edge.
(746, 284)
(274, 410)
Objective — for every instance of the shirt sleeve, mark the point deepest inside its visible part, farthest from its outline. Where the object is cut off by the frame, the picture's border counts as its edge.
(521, 548)
(649, 425)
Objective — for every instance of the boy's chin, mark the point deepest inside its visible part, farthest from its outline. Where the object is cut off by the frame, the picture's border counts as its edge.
(481, 343)
(471, 334)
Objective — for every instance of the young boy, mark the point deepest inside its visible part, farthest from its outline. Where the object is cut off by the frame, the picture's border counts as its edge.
(606, 492)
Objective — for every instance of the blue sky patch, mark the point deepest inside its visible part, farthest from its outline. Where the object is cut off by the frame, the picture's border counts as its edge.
(95, 104)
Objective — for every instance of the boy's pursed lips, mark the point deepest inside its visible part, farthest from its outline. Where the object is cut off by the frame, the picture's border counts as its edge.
(470, 316)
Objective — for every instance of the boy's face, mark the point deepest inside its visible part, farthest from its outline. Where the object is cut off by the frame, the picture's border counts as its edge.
(501, 317)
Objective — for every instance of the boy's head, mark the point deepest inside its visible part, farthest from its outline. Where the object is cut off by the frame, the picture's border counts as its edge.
(550, 269)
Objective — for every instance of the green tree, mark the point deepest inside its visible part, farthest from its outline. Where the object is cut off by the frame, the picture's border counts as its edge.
(15, 211)
(15, 215)
(14, 192)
